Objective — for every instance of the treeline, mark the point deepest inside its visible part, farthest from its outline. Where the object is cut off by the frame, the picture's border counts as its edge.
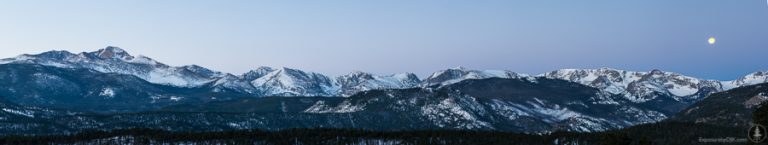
(662, 133)
(761, 114)
(291, 136)
(655, 133)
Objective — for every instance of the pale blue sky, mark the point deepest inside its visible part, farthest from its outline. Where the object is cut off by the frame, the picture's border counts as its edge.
(338, 36)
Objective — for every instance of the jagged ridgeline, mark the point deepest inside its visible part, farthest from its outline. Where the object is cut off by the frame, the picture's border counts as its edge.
(62, 92)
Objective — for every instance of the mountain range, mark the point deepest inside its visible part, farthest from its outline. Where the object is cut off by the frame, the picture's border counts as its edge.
(111, 89)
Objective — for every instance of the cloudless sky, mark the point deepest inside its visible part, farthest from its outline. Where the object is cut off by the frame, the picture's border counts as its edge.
(422, 36)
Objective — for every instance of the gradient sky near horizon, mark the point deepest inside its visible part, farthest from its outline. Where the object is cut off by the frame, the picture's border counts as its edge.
(422, 36)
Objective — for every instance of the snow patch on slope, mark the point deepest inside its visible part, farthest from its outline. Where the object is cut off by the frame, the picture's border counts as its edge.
(343, 107)
(550, 114)
(172, 77)
(20, 112)
(449, 113)
(107, 92)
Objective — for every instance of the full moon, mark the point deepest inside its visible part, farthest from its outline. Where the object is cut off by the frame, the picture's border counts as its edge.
(711, 40)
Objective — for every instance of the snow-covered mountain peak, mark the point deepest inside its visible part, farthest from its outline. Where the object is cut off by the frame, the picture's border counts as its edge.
(446, 73)
(639, 86)
(360, 75)
(657, 72)
(55, 54)
(459, 68)
(205, 72)
(292, 82)
(111, 52)
(296, 73)
(141, 59)
(749, 79)
(586, 76)
(358, 81)
(116, 60)
(257, 73)
(406, 76)
(451, 71)
(754, 78)
(264, 69)
(453, 75)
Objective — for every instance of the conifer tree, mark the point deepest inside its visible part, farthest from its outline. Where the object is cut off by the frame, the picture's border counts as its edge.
(760, 116)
